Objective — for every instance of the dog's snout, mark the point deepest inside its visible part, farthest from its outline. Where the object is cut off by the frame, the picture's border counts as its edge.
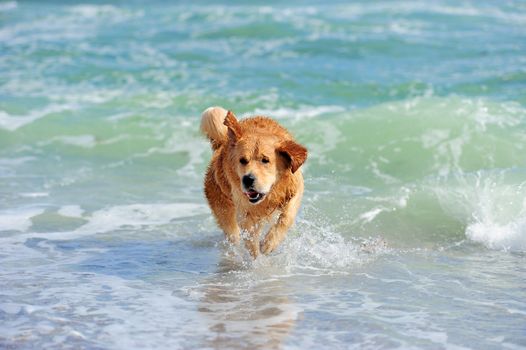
(248, 180)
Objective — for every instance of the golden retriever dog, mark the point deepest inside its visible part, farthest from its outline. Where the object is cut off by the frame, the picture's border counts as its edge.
(254, 177)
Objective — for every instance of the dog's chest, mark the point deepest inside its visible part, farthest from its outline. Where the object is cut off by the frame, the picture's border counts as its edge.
(257, 216)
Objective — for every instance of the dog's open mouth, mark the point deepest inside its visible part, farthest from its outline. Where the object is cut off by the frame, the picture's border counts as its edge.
(254, 196)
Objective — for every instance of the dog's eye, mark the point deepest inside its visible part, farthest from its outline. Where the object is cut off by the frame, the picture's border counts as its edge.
(243, 161)
(265, 160)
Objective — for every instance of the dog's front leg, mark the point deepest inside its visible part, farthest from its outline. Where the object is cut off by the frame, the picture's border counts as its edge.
(277, 232)
(226, 219)
(251, 237)
(232, 235)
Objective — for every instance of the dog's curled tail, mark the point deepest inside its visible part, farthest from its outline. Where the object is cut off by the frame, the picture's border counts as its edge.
(212, 125)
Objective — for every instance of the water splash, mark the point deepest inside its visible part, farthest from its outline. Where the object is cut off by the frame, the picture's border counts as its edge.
(492, 205)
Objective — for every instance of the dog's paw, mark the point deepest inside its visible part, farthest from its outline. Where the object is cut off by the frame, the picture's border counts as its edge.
(252, 247)
(268, 246)
(233, 238)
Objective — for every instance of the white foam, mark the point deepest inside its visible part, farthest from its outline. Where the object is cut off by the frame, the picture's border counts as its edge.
(34, 194)
(159, 100)
(182, 143)
(133, 216)
(492, 206)
(508, 237)
(77, 23)
(8, 165)
(313, 247)
(312, 253)
(322, 251)
(120, 116)
(83, 141)
(371, 214)
(302, 112)
(52, 28)
(12, 123)
(103, 12)
(434, 137)
(73, 211)
(463, 10)
(131, 320)
(327, 139)
(499, 214)
(83, 96)
(18, 220)
(137, 215)
(93, 11)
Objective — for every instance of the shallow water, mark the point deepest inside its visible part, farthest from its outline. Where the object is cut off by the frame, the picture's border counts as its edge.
(412, 232)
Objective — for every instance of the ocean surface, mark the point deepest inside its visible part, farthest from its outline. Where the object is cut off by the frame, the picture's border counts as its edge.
(412, 232)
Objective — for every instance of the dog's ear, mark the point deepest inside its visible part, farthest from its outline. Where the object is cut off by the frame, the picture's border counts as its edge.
(294, 153)
(234, 129)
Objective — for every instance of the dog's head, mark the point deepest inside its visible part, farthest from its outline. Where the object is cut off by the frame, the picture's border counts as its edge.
(260, 158)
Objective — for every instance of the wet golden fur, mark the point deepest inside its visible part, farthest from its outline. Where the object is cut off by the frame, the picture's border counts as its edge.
(258, 147)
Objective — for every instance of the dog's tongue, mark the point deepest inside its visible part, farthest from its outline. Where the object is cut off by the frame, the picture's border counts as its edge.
(252, 194)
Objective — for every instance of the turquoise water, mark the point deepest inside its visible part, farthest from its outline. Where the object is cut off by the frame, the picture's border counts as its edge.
(412, 232)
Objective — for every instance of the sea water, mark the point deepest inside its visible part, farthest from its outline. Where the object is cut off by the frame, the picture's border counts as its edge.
(412, 232)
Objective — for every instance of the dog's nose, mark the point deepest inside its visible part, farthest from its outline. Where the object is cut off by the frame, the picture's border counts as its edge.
(248, 180)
